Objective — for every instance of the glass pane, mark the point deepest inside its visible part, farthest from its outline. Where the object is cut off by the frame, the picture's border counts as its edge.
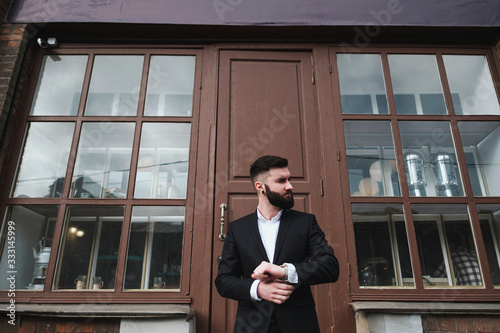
(115, 86)
(162, 170)
(382, 250)
(416, 84)
(481, 144)
(89, 248)
(430, 159)
(155, 248)
(471, 85)
(103, 160)
(59, 86)
(44, 160)
(27, 233)
(170, 86)
(489, 218)
(362, 86)
(446, 246)
(371, 161)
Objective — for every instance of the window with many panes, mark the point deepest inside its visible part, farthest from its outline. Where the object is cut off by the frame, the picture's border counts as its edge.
(422, 144)
(100, 195)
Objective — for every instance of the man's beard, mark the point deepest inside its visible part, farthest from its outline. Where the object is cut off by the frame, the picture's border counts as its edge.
(279, 200)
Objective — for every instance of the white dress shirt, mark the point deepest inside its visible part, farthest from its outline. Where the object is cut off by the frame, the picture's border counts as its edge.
(268, 230)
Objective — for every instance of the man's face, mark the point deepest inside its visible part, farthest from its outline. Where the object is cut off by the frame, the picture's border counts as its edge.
(279, 189)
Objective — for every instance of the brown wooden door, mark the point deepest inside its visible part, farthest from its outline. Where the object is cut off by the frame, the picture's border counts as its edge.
(265, 106)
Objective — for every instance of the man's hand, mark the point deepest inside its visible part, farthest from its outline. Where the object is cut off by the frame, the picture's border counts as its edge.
(267, 272)
(276, 292)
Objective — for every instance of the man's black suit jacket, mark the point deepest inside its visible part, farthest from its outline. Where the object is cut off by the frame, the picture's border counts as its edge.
(300, 242)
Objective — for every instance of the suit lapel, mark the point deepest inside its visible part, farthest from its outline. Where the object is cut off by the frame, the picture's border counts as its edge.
(255, 235)
(286, 221)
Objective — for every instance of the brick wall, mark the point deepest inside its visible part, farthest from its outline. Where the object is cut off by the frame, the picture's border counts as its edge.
(61, 325)
(13, 43)
(4, 5)
(460, 324)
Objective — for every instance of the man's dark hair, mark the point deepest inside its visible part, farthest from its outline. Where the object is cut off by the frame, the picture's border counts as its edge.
(266, 163)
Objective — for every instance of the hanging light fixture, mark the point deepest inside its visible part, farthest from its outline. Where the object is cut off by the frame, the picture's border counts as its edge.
(446, 172)
(415, 174)
(75, 231)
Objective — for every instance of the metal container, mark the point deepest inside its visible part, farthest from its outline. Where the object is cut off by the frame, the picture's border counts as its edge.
(40, 267)
(446, 171)
(415, 173)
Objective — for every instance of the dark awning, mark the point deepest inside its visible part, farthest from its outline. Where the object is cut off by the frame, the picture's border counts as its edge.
(428, 13)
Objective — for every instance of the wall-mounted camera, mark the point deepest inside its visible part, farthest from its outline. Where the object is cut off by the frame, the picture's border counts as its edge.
(47, 42)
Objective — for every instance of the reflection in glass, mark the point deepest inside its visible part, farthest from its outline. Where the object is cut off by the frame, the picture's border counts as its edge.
(115, 86)
(28, 230)
(471, 85)
(103, 160)
(162, 169)
(489, 218)
(44, 160)
(481, 144)
(362, 86)
(430, 159)
(446, 246)
(371, 161)
(170, 86)
(59, 85)
(416, 84)
(382, 250)
(89, 247)
(155, 248)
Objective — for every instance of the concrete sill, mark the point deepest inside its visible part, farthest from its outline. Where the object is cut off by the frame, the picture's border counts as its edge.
(104, 310)
(427, 307)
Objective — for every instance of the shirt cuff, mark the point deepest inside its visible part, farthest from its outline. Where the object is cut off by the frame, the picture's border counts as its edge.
(292, 273)
(253, 291)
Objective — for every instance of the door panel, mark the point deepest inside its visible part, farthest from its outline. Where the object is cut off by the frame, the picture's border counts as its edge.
(265, 106)
(264, 113)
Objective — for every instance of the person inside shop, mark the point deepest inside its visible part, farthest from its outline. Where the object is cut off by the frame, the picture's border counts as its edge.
(464, 261)
(272, 256)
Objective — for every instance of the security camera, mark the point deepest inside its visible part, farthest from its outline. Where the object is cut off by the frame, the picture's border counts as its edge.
(45, 43)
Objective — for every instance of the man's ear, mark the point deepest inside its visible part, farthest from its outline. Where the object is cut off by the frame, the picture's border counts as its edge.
(259, 186)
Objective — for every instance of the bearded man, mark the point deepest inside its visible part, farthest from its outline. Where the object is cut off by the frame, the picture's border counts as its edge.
(272, 256)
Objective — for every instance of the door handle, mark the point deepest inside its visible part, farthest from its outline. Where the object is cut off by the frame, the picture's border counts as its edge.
(223, 207)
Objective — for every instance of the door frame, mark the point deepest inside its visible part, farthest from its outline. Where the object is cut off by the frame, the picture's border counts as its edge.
(312, 184)
(206, 212)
